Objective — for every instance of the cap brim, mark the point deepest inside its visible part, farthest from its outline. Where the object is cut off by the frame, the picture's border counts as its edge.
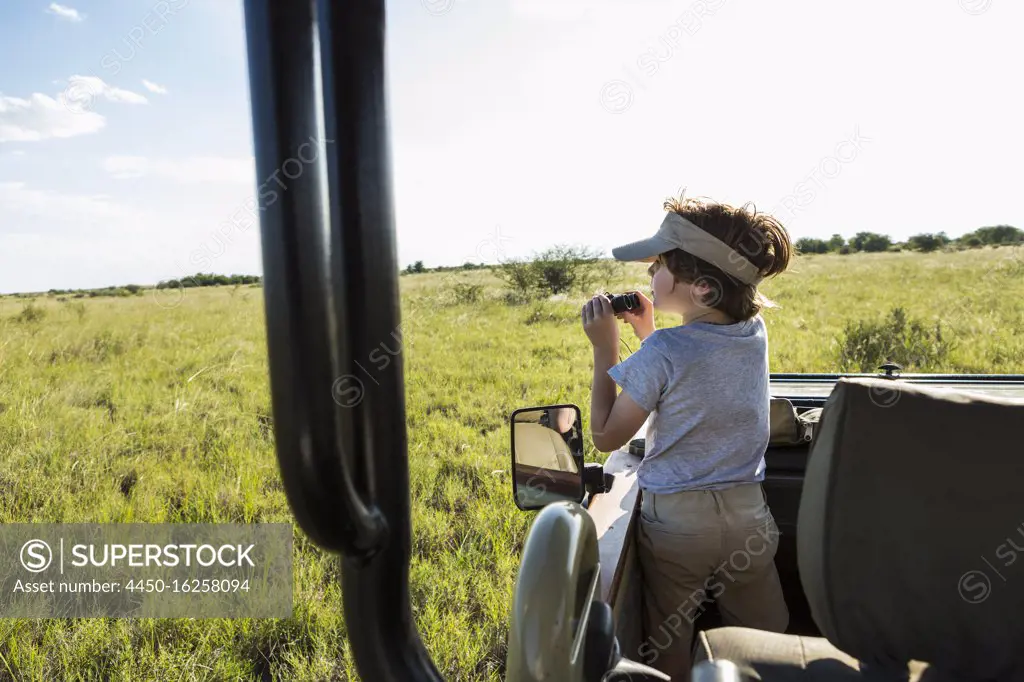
(645, 250)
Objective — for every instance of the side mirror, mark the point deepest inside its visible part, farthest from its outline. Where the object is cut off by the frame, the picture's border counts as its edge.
(547, 456)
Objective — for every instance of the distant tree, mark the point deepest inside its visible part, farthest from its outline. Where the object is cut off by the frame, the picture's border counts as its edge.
(837, 242)
(927, 242)
(810, 245)
(996, 234)
(870, 241)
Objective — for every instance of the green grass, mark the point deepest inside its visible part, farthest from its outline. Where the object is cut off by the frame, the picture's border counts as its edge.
(119, 410)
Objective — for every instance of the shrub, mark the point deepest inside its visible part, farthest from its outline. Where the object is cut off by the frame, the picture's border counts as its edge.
(31, 313)
(867, 344)
(557, 270)
(844, 249)
(518, 277)
(467, 293)
(561, 269)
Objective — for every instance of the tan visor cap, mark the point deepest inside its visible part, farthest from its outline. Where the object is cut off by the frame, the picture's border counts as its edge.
(676, 232)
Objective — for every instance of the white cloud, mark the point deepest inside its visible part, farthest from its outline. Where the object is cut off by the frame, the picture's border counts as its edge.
(154, 88)
(205, 169)
(65, 12)
(68, 114)
(84, 89)
(46, 206)
(41, 117)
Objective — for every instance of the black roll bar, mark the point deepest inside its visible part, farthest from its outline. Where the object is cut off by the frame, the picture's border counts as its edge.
(331, 298)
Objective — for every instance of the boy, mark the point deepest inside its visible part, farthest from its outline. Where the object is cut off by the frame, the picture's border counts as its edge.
(705, 530)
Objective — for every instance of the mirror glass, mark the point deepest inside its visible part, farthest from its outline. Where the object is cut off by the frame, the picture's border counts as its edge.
(547, 455)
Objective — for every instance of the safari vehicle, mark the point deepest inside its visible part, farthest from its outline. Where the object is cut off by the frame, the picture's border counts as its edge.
(899, 520)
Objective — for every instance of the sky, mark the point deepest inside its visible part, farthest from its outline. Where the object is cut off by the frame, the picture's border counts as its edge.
(126, 141)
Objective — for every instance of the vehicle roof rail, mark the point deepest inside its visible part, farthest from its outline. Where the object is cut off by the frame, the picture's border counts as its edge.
(331, 296)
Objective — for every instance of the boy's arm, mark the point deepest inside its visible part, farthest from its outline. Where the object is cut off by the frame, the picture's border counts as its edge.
(614, 420)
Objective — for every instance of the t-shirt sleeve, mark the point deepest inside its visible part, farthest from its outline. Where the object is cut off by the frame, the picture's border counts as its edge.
(643, 376)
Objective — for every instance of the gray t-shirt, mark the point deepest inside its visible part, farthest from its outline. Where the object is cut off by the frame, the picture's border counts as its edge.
(707, 388)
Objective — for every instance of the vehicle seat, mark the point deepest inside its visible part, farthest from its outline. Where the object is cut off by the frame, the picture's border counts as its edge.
(910, 539)
(542, 447)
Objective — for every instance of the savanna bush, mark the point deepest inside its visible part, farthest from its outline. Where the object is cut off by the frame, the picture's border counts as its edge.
(915, 345)
(558, 270)
(31, 313)
(519, 279)
(466, 293)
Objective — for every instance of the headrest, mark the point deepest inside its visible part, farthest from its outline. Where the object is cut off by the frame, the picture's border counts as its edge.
(910, 536)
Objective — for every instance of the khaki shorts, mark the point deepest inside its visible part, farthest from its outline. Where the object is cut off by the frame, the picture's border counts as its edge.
(703, 545)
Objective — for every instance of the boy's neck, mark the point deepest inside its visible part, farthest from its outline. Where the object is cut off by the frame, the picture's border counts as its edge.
(713, 316)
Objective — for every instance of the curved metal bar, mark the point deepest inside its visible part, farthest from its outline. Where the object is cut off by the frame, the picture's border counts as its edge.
(313, 433)
(363, 267)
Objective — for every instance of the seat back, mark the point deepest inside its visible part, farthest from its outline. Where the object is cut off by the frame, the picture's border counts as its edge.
(910, 535)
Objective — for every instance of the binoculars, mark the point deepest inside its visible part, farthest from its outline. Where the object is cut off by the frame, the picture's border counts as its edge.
(623, 302)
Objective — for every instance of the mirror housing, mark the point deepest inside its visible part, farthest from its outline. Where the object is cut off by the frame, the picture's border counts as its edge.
(547, 456)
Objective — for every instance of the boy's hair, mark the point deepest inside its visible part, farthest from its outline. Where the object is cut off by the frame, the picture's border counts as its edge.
(758, 237)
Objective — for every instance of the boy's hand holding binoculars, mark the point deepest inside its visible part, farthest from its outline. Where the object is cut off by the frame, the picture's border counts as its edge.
(599, 325)
(633, 307)
(642, 318)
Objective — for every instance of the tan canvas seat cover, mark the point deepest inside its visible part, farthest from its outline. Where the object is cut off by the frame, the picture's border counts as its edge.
(910, 536)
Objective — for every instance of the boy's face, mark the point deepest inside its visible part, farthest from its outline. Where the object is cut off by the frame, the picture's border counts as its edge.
(664, 288)
(672, 296)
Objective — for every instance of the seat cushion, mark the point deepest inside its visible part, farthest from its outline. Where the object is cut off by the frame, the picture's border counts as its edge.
(775, 657)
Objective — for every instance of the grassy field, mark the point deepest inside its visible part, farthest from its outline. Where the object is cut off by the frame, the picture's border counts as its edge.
(120, 410)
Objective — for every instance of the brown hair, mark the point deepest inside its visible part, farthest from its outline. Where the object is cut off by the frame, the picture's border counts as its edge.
(758, 237)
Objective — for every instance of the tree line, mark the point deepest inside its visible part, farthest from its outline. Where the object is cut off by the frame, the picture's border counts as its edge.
(201, 279)
(197, 280)
(418, 267)
(869, 242)
(995, 235)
